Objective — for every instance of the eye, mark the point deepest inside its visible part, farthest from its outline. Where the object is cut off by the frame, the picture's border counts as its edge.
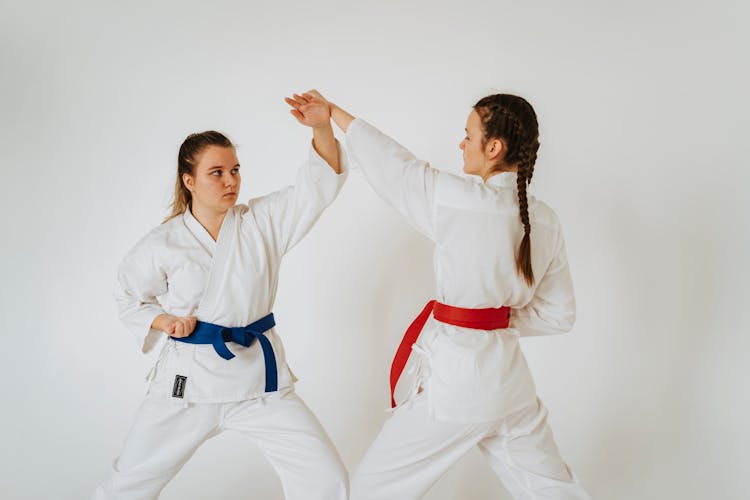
(235, 171)
(217, 173)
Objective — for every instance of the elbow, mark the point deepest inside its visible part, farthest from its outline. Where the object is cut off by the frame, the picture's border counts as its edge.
(566, 319)
(568, 322)
(562, 323)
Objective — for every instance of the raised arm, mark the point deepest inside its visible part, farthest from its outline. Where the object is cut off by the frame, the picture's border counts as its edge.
(289, 213)
(400, 178)
(316, 113)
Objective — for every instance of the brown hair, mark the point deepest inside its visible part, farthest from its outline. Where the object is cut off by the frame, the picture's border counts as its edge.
(512, 119)
(191, 148)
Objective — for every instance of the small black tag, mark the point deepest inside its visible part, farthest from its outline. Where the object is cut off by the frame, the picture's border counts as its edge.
(178, 390)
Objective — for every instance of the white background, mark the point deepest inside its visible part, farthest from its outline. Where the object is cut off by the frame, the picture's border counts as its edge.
(644, 121)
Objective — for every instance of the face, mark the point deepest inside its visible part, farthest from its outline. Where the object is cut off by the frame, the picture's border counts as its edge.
(215, 183)
(479, 156)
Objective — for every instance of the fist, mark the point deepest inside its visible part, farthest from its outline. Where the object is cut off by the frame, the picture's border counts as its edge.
(179, 327)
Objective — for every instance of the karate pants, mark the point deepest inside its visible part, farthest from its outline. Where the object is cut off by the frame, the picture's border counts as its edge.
(412, 451)
(165, 435)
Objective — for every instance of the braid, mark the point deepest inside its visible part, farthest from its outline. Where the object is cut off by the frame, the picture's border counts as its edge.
(523, 260)
(512, 119)
(528, 156)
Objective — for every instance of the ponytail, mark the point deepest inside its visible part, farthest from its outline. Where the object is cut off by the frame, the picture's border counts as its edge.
(187, 159)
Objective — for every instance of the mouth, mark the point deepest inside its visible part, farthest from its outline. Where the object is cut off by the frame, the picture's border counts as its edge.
(230, 195)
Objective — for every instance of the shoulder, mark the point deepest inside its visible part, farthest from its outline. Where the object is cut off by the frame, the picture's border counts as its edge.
(543, 214)
(157, 239)
(451, 187)
(242, 208)
(257, 206)
(469, 192)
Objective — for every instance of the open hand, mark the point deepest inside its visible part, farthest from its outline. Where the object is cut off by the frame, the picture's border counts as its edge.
(314, 94)
(310, 109)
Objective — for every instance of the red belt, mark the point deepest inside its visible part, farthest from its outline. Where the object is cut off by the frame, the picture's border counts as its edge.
(478, 319)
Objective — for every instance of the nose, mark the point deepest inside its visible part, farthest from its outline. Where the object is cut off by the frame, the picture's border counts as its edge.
(461, 145)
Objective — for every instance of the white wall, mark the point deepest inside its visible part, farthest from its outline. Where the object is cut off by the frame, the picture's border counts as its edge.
(644, 117)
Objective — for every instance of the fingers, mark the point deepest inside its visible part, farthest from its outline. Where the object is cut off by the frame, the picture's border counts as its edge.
(314, 93)
(192, 321)
(179, 329)
(310, 105)
(307, 109)
(301, 98)
(184, 326)
(293, 103)
(296, 101)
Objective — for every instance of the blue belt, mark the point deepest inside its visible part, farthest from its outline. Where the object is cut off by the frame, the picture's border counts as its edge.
(218, 336)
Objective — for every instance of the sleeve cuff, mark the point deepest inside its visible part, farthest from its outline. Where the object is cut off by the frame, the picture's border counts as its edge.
(354, 128)
(152, 335)
(317, 160)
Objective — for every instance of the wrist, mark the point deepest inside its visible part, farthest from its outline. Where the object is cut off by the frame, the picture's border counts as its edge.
(323, 127)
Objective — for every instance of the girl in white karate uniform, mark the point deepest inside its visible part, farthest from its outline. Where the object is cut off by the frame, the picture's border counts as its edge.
(203, 283)
(459, 378)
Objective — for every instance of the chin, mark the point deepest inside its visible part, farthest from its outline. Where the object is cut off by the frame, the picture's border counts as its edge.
(226, 204)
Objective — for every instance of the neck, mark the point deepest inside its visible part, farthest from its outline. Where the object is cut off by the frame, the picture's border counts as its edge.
(211, 220)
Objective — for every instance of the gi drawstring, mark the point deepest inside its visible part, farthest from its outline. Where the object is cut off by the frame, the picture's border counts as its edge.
(168, 346)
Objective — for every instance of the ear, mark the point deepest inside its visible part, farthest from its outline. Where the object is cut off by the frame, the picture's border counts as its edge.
(188, 181)
(495, 149)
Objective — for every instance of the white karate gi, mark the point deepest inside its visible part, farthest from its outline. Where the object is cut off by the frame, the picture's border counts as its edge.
(180, 270)
(475, 386)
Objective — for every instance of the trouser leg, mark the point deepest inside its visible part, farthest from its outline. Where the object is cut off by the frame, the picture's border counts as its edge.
(410, 454)
(292, 439)
(162, 438)
(524, 455)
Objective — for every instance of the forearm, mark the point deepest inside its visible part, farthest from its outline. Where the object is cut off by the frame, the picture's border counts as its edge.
(531, 323)
(324, 143)
(341, 117)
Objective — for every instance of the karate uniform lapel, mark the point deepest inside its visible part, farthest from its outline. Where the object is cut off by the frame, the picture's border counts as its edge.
(200, 233)
(221, 250)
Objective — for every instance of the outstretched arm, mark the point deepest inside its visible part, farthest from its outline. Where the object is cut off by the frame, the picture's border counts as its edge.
(316, 113)
(289, 213)
(400, 178)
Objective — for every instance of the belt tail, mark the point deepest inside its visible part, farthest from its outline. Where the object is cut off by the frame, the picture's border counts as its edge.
(404, 349)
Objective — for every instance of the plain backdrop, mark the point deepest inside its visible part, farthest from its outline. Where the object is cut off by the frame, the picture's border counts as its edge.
(643, 111)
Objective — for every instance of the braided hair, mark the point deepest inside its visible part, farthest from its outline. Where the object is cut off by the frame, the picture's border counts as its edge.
(512, 119)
